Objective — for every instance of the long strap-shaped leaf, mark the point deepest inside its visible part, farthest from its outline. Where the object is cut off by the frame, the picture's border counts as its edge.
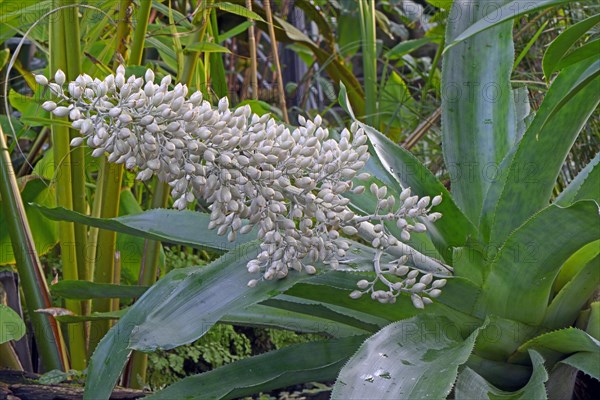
(520, 278)
(188, 228)
(317, 361)
(561, 45)
(527, 176)
(570, 341)
(494, 15)
(178, 309)
(470, 385)
(585, 186)
(417, 358)
(478, 119)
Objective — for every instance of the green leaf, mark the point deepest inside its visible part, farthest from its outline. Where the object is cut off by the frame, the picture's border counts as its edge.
(206, 47)
(12, 326)
(4, 56)
(590, 49)
(187, 228)
(471, 385)
(593, 324)
(236, 30)
(84, 290)
(524, 181)
(445, 4)
(478, 118)
(557, 50)
(585, 361)
(586, 185)
(264, 316)
(453, 229)
(495, 14)
(406, 47)
(316, 361)
(45, 233)
(567, 304)
(416, 358)
(554, 346)
(177, 310)
(534, 253)
(237, 10)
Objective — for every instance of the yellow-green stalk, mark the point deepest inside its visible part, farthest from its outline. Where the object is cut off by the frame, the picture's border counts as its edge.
(64, 186)
(106, 201)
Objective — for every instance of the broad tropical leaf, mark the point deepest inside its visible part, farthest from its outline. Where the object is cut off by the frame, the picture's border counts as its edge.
(188, 228)
(520, 278)
(471, 385)
(526, 177)
(416, 358)
(478, 122)
(567, 304)
(12, 326)
(167, 315)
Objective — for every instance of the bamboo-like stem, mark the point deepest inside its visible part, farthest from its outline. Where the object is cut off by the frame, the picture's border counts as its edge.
(64, 189)
(139, 35)
(139, 361)
(110, 179)
(252, 49)
(9, 358)
(275, 50)
(369, 50)
(49, 339)
(200, 23)
(80, 204)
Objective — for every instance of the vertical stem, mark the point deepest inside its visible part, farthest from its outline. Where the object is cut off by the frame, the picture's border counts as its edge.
(280, 89)
(189, 59)
(139, 35)
(64, 189)
(48, 337)
(252, 48)
(369, 50)
(106, 202)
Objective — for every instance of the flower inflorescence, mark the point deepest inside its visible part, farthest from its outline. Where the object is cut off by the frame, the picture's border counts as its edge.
(289, 185)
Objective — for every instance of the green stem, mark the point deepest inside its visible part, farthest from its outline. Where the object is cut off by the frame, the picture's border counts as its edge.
(49, 340)
(369, 50)
(64, 188)
(106, 204)
(200, 23)
(434, 64)
(139, 35)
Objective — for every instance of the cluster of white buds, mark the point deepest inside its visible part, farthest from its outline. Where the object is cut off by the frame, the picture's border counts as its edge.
(253, 171)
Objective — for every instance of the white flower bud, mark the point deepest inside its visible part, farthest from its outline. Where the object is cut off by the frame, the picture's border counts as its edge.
(363, 284)
(436, 200)
(77, 141)
(149, 76)
(60, 111)
(417, 301)
(59, 77)
(41, 80)
(434, 293)
(356, 294)
(49, 106)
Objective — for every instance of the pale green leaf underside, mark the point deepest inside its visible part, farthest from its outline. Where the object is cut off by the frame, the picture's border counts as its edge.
(417, 358)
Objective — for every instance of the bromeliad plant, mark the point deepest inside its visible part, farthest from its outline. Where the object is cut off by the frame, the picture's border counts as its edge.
(514, 320)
